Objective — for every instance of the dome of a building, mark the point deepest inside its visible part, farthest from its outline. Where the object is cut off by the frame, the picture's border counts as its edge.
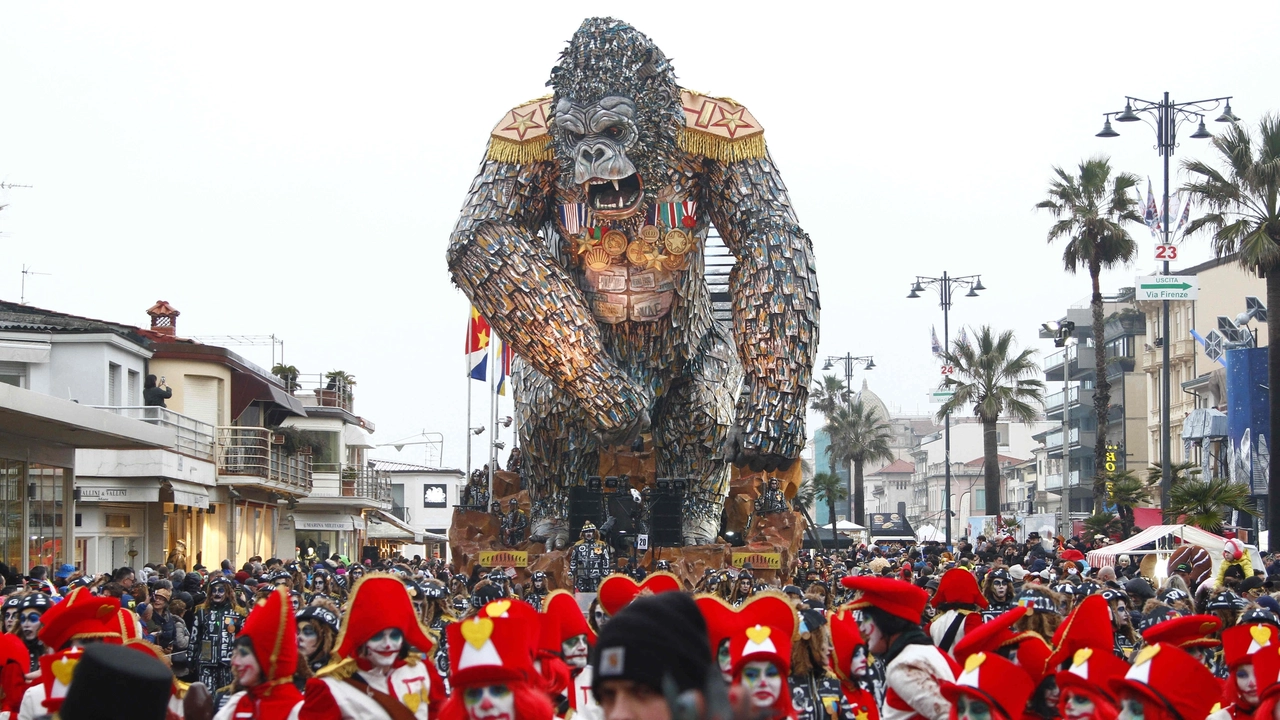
(873, 400)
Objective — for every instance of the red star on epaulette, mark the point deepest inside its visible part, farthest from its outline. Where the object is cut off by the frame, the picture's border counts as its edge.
(524, 123)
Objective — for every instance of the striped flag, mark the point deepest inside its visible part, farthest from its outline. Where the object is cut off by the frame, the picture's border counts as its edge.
(477, 349)
(506, 354)
(1150, 215)
(1186, 215)
(963, 340)
(937, 346)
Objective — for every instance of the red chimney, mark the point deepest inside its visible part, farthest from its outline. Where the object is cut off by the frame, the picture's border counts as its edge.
(164, 319)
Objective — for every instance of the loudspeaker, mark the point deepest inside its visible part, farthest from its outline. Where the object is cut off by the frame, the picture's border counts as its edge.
(625, 512)
(584, 504)
(666, 520)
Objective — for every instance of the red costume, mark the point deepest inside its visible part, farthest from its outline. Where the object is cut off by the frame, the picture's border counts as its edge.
(1171, 684)
(846, 642)
(766, 630)
(273, 631)
(1240, 643)
(959, 591)
(496, 647)
(990, 679)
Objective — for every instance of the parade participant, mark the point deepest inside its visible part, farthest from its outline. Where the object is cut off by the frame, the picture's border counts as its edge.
(1227, 606)
(213, 632)
(493, 673)
(958, 601)
(373, 673)
(1083, 689)
(575, 649)
(11, 607)
(82, 618)
(1044, 608)
(263, 664)
(537, 590)
(317, 632)
(743, 587)
(721, 620)
(515, 525)
(997, 588)
(555, 674)
(34, 606)
(1124, 637)
(771, 500)
(1241, 690)
(1165, 683)
(989, 687)
(815, 693)
(13, 672)
(1195, 634)
(438, 616)
(589, 560)
(760, 649)
(850, 662)
(888, 617)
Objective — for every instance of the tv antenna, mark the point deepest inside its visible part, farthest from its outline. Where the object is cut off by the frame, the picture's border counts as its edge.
(26, 270)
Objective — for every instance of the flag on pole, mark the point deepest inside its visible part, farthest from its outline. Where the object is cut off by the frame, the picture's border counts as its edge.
(504, 364)
(937, 346)
(1150, 215)
(1186, 215)
(477, 350)
(963, 339)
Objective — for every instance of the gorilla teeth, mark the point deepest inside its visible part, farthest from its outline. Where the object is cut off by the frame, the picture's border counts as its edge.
(615, 186)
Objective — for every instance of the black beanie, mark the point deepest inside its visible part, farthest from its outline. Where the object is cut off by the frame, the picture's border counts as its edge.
(658, 635)
(113, 671)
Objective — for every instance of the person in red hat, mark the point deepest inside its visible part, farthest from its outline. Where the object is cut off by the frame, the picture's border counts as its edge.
(575, 647)
(1241, 692)
(82, 618)
(1195, 634)
(1083, 690)
(491, 656)
(888, 617)
(958, 601)
(264, 659)
(1165, 683)
(989, 688)
(374, 673)
(722, 620)
(849, 661)
(761, 652)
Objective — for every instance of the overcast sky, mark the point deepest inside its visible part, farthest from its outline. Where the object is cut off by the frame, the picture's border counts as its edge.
(295, 168)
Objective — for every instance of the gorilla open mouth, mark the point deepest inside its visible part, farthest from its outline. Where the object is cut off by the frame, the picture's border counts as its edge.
(615, 198)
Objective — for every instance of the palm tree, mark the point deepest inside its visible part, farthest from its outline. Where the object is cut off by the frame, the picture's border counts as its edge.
(804, 499)
(1201, 502)
(826, 396)
(1101, 523)
(829, 489)
(1243, 215)
(858, 435)
(1126, 491)
(996, 382)
(1091, 209)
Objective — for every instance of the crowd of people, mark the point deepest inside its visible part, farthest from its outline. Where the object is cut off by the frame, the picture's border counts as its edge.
(989, 630)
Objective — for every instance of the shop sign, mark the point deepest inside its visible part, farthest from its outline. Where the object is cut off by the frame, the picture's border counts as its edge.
(503, 558)
(118, 494)
(758, 560)
(435, 496)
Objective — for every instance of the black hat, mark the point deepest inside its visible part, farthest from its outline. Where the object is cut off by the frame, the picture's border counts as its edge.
(114, 671)
(1227, 600)
(655, 636)
(1140, 589)
(36, 601)
(1252, 583)
(319, 614)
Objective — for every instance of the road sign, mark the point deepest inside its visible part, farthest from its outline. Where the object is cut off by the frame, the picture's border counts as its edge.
(1166, 252)
(948, 369)
(1167, 287)
(938, 397)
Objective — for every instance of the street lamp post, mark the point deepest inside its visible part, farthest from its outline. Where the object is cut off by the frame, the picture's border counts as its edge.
(848, 360)
(1167, 116)
(946, 285)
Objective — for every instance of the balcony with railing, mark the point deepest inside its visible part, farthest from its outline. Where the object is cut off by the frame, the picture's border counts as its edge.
(191, 437)
(340, 484)
(247, 456)
(322, 390)
(1053, 481)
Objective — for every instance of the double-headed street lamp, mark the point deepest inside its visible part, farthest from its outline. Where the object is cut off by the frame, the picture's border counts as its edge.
(946, 285)
(1165, 117)
(849, 360)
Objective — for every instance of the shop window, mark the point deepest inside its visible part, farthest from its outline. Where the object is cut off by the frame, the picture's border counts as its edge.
(44, 518)
(325, 457)
(117, 520)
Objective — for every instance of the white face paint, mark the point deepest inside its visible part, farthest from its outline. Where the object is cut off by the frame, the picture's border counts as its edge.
(1077, 707)
(489, 702)
(1131, 709)
(1247, 684)
(30, 624)
(725, 661)
(875, 639)
(383, 649)
(575, 651)
(308, 638)
(763, 683)
(245, 667)
(858, 663)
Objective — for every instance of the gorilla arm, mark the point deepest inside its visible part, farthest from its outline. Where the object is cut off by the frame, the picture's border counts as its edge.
(531, 301)
(774, 289)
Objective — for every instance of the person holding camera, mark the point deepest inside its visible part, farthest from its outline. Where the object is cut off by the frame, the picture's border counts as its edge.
(154, 394)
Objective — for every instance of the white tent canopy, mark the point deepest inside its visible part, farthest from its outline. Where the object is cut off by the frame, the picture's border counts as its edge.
(1162, 536)
(927, 533)
(844, 526)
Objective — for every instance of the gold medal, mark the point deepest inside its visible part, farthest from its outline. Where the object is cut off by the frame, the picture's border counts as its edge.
(678, 242)
(597, 259)
(674, 262)
(638, 252)
(649, 233)
(615, 243)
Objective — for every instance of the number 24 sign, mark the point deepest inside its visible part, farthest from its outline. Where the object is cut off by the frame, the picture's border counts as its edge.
(1166, 252)
(948, 369)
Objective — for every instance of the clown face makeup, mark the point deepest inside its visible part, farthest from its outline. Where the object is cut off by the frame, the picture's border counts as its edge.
(1246, 684)
(725, 661)
(1131, 708)
(968, 708)
(763, 683)
(575, 651)
(1077, 707)
(29, 623)
(218, 593)
(295, 600)
(10, 619)
(308, 638)
(490, 702)
(875, 639)
(598, 614)
(1000, 589)
(244, 665)
(858, 663)
(383, 649)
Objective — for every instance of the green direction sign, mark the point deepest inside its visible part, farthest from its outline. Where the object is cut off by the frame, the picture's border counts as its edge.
(1167, 287)
(941, 396)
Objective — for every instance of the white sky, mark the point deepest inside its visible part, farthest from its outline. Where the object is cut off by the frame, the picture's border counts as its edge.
(295, 168)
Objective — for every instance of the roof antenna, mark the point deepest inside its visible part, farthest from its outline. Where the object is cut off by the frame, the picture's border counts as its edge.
(26, 270)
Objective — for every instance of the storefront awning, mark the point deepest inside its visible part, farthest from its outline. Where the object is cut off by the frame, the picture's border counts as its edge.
(385, 526)
(190, 494)
(327, 521)
(353, 436)
(89, 489)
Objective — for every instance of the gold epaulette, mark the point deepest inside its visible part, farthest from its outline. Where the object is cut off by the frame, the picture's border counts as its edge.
(340, 670)
(180, 688)
(720, 129)
(521, 136)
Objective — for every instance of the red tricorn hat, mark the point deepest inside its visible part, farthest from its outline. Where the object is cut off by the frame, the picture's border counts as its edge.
(1168, 677)
(1240, 642)
(896, 597)
(722, 619)
(561, 605)
(995, 681)
(1088, 626)
(1090, 672)
(379, 601)
(80, 615)
(766, 630)
(492, 647)
(273, 630)
(617, 591)
(1189, 631)
(845, 640)
(959, 586)
(990, 636)
(1071, 554)
(126, 623)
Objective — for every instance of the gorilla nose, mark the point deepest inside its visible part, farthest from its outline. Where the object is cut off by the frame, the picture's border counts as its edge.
(592, 154)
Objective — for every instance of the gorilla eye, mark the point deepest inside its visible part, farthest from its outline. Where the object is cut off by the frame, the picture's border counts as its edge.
(613, 131)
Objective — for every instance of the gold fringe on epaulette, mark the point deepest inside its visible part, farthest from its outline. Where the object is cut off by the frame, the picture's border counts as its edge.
(180, 688)
(722, 149)
(520, 153)
(340, 670)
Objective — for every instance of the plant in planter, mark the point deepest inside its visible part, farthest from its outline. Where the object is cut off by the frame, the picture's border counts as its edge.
(288, 374)
(340, 383)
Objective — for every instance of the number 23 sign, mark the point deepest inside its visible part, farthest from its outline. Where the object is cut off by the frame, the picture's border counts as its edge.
(1166, 252)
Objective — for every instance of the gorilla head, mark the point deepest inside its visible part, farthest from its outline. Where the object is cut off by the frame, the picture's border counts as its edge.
(616, 117)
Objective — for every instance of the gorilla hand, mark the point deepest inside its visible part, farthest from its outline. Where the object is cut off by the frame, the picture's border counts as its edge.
(768, 432)
(622, 411)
